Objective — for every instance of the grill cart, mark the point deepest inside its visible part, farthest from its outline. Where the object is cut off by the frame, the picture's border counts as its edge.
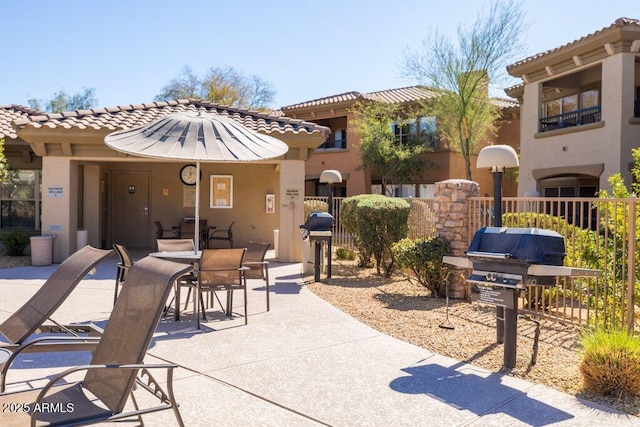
(504, 261)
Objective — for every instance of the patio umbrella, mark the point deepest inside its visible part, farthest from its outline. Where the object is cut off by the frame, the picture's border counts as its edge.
(198, 137)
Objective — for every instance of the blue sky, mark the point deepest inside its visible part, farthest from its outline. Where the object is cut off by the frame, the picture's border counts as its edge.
(128, 50)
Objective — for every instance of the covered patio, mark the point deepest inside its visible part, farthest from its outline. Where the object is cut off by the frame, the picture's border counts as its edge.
(117, 197)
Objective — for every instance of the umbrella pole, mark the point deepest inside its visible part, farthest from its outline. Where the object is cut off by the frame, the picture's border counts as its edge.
(196, 233)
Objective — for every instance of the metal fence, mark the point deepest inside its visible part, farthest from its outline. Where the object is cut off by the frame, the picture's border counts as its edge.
(421, 220)
(599, 233)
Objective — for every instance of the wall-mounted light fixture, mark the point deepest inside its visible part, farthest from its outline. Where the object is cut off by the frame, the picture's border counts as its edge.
(132, 189)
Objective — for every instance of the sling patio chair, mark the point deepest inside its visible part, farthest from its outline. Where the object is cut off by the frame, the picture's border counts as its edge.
(258, 267)
(102, 394)
(221, 234)
(221, 270)
(29, 318)
(161, 231)
(19, 330)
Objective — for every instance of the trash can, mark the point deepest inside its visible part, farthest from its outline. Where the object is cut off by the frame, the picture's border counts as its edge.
(41, 250)
(82, 239)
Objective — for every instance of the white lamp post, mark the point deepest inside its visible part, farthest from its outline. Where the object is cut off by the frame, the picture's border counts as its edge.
(498, 158)
(330, 177)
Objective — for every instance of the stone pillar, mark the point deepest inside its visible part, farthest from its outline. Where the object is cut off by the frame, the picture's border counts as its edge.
(451, 209)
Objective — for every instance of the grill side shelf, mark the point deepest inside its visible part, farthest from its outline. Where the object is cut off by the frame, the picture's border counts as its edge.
(557, 270)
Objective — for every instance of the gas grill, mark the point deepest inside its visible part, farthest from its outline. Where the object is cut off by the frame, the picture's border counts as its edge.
(501, 256)
(506, 260)
(317, 230)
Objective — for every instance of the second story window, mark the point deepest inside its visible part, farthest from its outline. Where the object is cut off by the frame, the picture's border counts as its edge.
(337, 141)
(416, 131)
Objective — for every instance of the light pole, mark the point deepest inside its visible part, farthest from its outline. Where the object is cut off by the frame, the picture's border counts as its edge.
(330, 177)
(498, 158)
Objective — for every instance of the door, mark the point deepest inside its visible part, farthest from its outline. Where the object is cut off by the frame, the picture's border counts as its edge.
(131, 209)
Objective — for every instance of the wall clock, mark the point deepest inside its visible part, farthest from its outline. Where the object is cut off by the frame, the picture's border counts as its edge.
(188, 174)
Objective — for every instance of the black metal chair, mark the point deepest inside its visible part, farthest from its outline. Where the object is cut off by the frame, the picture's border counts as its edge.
(221, 234)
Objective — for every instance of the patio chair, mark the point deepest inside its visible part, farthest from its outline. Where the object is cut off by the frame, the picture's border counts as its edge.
(221, 270)
(31, 316)
(174, 245)
(123, 268)
(221, 234)
(161, 231)
(20, 328)
(258, 267)
(116, 361)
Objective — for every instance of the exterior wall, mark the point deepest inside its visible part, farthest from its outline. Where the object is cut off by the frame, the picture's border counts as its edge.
(59, 214)
(441, 165)
(606, 144)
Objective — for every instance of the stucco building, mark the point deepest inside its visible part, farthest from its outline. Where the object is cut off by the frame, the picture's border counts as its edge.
(579, 112)
(340, 151)
(67, 179)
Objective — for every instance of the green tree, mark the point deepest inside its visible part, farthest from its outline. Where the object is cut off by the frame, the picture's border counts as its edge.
(62, 101)
(223, 85)
(396, 161)
(461, 73)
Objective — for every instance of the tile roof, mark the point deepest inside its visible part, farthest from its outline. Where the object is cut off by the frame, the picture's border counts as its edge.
(333, 99)
(9, 113)
(403, 94)
(400, 95)
(505, 102)
(619, 23)
(129, 116)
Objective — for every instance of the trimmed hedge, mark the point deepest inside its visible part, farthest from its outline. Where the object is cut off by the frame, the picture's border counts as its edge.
(382, 221)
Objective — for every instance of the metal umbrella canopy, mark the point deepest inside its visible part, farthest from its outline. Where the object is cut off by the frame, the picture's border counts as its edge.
(198, 137)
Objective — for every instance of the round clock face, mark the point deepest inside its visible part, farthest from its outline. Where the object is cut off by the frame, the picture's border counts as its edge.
(188, 174)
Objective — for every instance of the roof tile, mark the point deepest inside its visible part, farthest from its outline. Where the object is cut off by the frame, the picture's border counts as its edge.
(620, 22)
(128, 116)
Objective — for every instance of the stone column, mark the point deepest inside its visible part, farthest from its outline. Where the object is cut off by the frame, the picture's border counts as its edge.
(451, 209)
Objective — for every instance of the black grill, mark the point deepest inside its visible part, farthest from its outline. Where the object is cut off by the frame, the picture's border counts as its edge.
(318, 221)
(502, 256)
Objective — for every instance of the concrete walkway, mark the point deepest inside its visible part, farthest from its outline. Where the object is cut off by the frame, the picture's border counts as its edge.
(304, 363)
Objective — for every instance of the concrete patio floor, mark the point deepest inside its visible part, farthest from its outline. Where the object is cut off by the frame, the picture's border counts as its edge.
(303, 363)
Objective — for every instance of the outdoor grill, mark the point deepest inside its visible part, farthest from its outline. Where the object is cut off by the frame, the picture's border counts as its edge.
(502, 256)
(503, 262)
(318, 230)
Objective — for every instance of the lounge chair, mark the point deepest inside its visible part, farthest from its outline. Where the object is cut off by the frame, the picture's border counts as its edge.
(19, 329)
(32, 315)
(116, 362)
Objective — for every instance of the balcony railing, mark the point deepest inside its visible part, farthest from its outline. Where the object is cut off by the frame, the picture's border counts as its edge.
(572, 118)
(334, 144)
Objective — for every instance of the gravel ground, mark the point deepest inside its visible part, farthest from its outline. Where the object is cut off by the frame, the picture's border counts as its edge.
(404, 309)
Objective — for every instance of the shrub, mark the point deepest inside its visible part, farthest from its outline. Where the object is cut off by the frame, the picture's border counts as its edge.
(611, 362)
(424, 259)
(382, 221)
(15, 242)
(345, 254)
(349, 220)
(311, 206)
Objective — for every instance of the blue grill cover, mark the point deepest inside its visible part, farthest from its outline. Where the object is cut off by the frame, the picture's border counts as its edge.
(319, 221)
(530, 245)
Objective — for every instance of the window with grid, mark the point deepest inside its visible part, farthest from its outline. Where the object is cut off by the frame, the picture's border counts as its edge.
(20, 200)
(416, 131)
